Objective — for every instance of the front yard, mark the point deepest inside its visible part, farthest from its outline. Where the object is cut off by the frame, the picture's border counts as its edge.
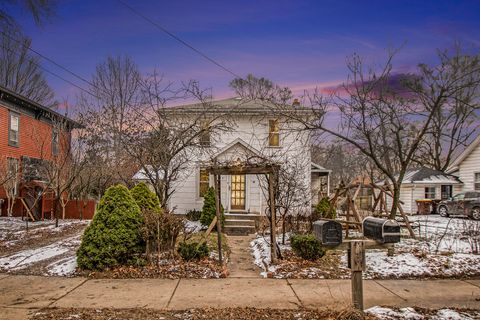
(444, 248)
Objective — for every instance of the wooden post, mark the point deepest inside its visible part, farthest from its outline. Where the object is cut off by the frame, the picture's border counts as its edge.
(273, 238)
(219, 219)
(357, 266)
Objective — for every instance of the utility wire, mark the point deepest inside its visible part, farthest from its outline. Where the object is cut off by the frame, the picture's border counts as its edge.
(53, 73)
(48, 59)
(178, 39)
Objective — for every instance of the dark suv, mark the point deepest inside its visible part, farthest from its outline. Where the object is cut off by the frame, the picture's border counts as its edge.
(465, 203)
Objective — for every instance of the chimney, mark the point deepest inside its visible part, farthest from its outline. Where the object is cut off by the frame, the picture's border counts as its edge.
(296, 103)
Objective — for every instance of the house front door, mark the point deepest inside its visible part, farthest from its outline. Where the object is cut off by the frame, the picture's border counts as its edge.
(238, 192)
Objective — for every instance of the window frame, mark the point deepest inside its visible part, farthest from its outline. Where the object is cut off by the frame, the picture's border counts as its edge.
(449, 193)
(476, 181)
(428, 194)
(205, 182)
(16, 162)
(273, 133)
(11, 142)
(205, 137)
(55, 144)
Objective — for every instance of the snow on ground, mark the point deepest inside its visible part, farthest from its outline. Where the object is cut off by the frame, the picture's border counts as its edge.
(385, 313)
(445, 247)
(63, 267)
(193, 226)
(26, 258)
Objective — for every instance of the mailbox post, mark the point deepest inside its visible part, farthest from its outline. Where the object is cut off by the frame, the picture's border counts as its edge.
(356, 261)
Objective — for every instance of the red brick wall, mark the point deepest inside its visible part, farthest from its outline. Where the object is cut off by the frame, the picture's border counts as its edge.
(35, 139)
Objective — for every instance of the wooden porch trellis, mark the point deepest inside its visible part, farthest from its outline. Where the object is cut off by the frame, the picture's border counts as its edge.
(269, 169)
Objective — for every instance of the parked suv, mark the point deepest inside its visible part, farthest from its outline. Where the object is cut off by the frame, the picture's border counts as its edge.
(465, 203)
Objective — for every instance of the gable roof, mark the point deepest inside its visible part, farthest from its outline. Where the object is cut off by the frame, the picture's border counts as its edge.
(427, 175)
(462, 156)
(318, 168)
(237, 105)
(39, 110)
(242, 143)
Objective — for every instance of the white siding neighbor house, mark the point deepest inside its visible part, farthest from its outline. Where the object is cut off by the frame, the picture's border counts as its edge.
(425, 183)
(255, 131)
(467, 167)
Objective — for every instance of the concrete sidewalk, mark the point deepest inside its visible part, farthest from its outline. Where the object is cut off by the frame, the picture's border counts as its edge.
(22, 295)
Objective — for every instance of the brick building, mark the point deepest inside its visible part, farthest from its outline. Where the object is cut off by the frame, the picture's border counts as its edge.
(29, 134)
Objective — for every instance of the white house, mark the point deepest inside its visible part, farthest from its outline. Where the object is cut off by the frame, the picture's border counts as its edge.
(425, 183)
(467, 167)
(256, 131)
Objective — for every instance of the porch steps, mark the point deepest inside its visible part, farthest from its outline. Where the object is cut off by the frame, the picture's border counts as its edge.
(240, 223)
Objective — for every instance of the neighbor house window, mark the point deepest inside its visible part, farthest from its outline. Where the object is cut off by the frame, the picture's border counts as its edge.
(429, 192)
(273, 133)
(476, 184)
(13, 129)
(12, 169)
(54, 142)
(203, 182)
(446, 192)
(204, 137)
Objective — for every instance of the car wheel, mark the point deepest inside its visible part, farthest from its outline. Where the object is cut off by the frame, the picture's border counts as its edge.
(443, 211)
(476, 213)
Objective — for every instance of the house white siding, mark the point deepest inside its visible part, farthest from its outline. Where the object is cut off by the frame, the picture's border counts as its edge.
(467, 169)
(294, 149)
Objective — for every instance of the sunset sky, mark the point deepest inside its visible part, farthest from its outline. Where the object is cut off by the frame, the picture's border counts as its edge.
(301, 44)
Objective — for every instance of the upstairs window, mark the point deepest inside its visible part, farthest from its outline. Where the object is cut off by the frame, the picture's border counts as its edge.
(273, 133)
(204, 182)
(54, 142)
(13, 129)
(429, 192)
(476, 184)
(204, 137)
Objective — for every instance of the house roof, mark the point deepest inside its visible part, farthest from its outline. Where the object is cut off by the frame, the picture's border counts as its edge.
(430, 176)
(38, 109)
(462, 156)
(238, 106)
(244, 145)
(318, 168)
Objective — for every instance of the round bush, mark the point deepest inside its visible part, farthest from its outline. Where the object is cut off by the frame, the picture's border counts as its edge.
(324, 209)
(307, 247)
(209, 210)
(193, 250)
(114, 236)
(145, 199)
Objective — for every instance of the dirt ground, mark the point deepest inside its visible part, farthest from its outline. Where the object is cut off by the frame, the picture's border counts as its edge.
(194, 314)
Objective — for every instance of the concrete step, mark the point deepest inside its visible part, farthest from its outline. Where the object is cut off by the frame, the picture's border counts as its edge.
(241, 216)
(239, 230)
(239, 222)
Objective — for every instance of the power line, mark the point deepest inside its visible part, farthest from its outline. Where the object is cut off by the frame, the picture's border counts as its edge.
(48, 59)
(178, 39)
(53, 73)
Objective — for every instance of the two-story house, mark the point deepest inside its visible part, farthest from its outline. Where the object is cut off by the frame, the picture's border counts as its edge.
(29, 134)
(256, 132)
(467, 167)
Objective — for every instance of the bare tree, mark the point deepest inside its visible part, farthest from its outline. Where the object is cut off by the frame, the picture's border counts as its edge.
(114, 109)
(164, 141)
(20, 71)
(40, 10)
(455, 122)
(9, 180)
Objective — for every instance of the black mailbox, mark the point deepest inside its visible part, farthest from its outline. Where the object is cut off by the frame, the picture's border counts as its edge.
(329, 233)
(381, 230)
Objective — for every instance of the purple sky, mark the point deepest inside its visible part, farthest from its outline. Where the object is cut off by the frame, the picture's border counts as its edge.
(301, 44)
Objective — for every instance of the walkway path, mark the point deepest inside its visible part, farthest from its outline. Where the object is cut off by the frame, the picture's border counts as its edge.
(240, 265)
(21, 295)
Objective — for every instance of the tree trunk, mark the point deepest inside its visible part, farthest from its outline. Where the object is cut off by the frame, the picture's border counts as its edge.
(395, 200)
(283, 230)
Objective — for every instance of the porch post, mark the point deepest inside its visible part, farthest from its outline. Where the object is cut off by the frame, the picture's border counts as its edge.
(216, 177)
(273, 238)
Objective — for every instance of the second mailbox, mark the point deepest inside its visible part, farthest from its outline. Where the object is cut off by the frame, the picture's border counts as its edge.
(381, 230)
(329, 233)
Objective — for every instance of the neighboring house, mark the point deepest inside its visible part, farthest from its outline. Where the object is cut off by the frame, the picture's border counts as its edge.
(28, 136)
(467, 167)
(425, 183)
(256, 133)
